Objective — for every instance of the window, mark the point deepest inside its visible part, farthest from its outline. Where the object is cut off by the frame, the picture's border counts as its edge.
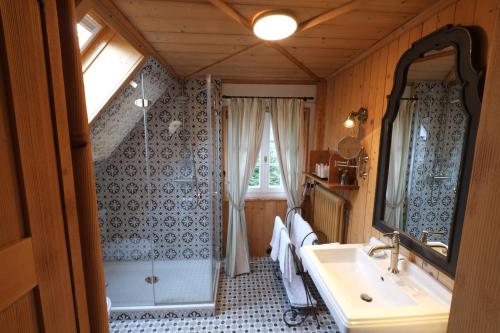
(266, 177)
(87, 29)
(108, 62)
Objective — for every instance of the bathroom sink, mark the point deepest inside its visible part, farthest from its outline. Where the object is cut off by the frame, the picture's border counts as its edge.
(363, 296)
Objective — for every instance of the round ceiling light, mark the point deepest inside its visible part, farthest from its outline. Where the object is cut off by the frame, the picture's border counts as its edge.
(274, 25)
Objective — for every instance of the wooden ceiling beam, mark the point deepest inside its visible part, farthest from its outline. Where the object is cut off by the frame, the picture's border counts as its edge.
(243, 50)
(235, 15)
(330, 14)
(231, 12)
(117, 21)
(294, 60)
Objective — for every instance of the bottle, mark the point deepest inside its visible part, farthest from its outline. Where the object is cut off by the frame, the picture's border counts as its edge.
(344, 178)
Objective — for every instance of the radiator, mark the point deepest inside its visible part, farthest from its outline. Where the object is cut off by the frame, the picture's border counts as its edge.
(329, 211)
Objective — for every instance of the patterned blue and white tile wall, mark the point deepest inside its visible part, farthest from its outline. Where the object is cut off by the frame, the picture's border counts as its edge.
(183, 221)
(439, 129)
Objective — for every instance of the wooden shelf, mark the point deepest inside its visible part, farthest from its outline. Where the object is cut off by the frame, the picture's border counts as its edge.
(330, 186)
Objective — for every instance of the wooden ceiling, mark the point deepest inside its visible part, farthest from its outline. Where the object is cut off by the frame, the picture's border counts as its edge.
(197, 37)
(434, 66)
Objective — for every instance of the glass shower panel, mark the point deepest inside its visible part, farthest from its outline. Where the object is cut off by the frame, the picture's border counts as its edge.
(183, 238)
(123, 191)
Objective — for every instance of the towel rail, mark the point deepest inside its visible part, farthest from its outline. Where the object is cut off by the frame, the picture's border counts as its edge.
(298, 315)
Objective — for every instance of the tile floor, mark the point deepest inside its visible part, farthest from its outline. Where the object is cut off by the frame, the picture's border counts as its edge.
(249, 303)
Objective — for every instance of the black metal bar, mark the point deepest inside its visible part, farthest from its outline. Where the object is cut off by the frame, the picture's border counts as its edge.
(305, 98)
(408, 99)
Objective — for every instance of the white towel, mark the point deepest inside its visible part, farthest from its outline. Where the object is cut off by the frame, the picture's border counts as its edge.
(293, 283)
(285, 256)
(299, 230)
(296, 292)
(275, 241)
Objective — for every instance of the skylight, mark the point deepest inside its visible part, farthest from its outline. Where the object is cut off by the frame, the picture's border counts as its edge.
(87, 28)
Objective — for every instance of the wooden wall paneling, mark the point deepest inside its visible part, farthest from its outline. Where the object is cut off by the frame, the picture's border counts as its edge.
(476, 298)
(464, 12)
(373, 66)
(321, 104)
(415, 34)
(385, 87)
(36, 257)
(29, 322)
(65, 167)
(259, 214)
(429, 25)
(446, 16)
(357, 86)
(384, 58)
(356, 198)
(84, 178)
(484, 19)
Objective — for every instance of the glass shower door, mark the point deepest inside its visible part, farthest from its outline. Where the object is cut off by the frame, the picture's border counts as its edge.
(123, 191)
(183, 239)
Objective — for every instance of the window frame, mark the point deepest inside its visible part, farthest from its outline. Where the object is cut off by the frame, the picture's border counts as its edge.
(92, 25)
(265, 190)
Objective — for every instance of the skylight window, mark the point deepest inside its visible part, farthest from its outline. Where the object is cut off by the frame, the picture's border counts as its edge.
(87, 28)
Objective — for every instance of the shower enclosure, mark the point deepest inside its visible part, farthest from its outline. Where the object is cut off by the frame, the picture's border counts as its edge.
(159, 201)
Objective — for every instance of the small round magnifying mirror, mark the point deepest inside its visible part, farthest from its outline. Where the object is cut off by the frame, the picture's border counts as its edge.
(349, 147)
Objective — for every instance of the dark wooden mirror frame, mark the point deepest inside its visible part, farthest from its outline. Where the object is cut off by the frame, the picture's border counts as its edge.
(461, 38)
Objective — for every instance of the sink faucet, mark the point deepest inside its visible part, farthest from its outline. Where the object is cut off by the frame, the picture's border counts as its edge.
(393, 268)
(425, 240)
(426, 233)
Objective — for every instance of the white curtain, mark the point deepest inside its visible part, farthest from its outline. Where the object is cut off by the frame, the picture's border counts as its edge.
(246, 118)
(289, 129)
(398, 165)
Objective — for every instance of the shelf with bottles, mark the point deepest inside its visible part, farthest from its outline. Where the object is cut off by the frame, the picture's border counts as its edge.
(341, 173)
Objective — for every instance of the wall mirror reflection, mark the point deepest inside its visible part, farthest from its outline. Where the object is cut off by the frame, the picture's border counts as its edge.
(427, 146)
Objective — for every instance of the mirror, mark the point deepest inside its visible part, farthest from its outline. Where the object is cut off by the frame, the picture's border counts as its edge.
(427, 146)
(349, 147)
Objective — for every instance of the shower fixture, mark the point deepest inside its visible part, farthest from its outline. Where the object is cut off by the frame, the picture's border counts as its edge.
(133, 84)
(142, 102)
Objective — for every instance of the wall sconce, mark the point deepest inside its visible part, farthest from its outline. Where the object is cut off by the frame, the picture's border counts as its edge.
(361, 116)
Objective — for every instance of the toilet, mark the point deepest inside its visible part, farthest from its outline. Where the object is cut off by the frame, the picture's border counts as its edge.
(108, 304)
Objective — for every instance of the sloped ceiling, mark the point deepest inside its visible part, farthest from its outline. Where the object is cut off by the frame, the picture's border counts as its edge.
(113, 125)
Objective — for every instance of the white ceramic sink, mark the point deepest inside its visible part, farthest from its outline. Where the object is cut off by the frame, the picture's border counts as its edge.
(409, 302)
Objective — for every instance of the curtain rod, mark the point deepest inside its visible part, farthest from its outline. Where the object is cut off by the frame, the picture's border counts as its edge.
(305, 98)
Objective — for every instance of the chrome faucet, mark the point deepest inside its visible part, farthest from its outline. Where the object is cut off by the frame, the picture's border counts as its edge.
(425, 240)
(426, 233)
(393, 268)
